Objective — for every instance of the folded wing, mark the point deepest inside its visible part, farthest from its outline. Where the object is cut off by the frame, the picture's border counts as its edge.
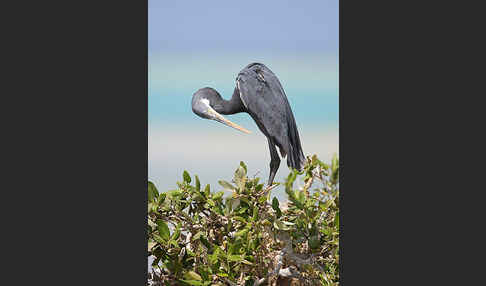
(266, 102)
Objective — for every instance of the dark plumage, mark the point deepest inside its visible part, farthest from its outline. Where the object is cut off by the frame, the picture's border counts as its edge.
(259, 93)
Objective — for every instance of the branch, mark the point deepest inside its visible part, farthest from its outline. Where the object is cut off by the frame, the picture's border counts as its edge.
(229, 282)
(290, 272)
(276, 271)
(308, 185)
(267, 189)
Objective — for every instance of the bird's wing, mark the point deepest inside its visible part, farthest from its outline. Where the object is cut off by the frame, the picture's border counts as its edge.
(264, 98)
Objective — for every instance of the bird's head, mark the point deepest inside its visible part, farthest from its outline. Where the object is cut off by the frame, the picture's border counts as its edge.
(203, 102)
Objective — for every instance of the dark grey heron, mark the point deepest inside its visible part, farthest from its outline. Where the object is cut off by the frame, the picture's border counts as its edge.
(259, 93)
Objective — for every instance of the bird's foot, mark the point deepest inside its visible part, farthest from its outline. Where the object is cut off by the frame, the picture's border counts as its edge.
(271, 187)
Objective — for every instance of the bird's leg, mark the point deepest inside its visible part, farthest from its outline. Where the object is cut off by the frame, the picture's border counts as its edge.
(274, 163)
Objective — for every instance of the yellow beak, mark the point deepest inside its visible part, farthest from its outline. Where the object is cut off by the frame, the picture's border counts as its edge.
(220, 118)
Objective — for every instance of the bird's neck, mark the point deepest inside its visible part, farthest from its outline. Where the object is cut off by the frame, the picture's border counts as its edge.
(232, 106)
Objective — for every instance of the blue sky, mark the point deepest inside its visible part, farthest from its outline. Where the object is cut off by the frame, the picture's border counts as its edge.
(193, 44)
(243, 26)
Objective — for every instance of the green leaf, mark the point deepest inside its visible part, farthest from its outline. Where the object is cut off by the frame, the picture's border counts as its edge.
(198, 184)
(290, 180)
(222, 274)
(288, 223)
(204, 272)
(218, 209)
(300, 196)
(234, 248)
(235, 258)
(173, 243)
(177, 232)
(326, 231)
(240, 177)
(186, 177)
(163, 229)
(246, 262)
(275, 206)
(244, 166)
(255, 214)
(152, 207)
(335, 163)
(275, 203)
(239, 218)
(243, 210)
(336, 220)
(280, 225)
(297, 197)
(244, 200)
(159, 239)
(207, 190)
(193, 282)
(205, 242)
(199, 198)
(242, 232)
(174, 193)
(335, 176)
(197, 235)
(259, 187)
(255, 243)
(266, 222)
(229, 226)
(191, 275)
(161, 198)
(152, 192)
(220, 253)
(218, 196)
(314, 242)
(324, 166)
(226, 185)
(240, 173)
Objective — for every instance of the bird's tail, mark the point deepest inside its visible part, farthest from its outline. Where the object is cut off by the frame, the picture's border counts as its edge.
(295, 158)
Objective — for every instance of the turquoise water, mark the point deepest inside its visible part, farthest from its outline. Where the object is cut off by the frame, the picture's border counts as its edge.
(315, 109)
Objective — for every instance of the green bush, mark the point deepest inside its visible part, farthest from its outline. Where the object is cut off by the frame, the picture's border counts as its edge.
(199, 237)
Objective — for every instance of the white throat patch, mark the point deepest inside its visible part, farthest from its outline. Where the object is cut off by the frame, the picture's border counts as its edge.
(205, 101)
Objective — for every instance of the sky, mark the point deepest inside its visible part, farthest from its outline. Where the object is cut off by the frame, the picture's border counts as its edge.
(194, 44)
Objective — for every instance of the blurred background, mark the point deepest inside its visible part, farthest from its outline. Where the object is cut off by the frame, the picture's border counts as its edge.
(194, 44)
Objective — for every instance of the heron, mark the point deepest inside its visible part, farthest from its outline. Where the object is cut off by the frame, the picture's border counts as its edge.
(259, 93)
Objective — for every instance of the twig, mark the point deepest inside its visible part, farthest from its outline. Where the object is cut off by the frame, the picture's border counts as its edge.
(256, 174)
(289, 252)
(308, 185)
